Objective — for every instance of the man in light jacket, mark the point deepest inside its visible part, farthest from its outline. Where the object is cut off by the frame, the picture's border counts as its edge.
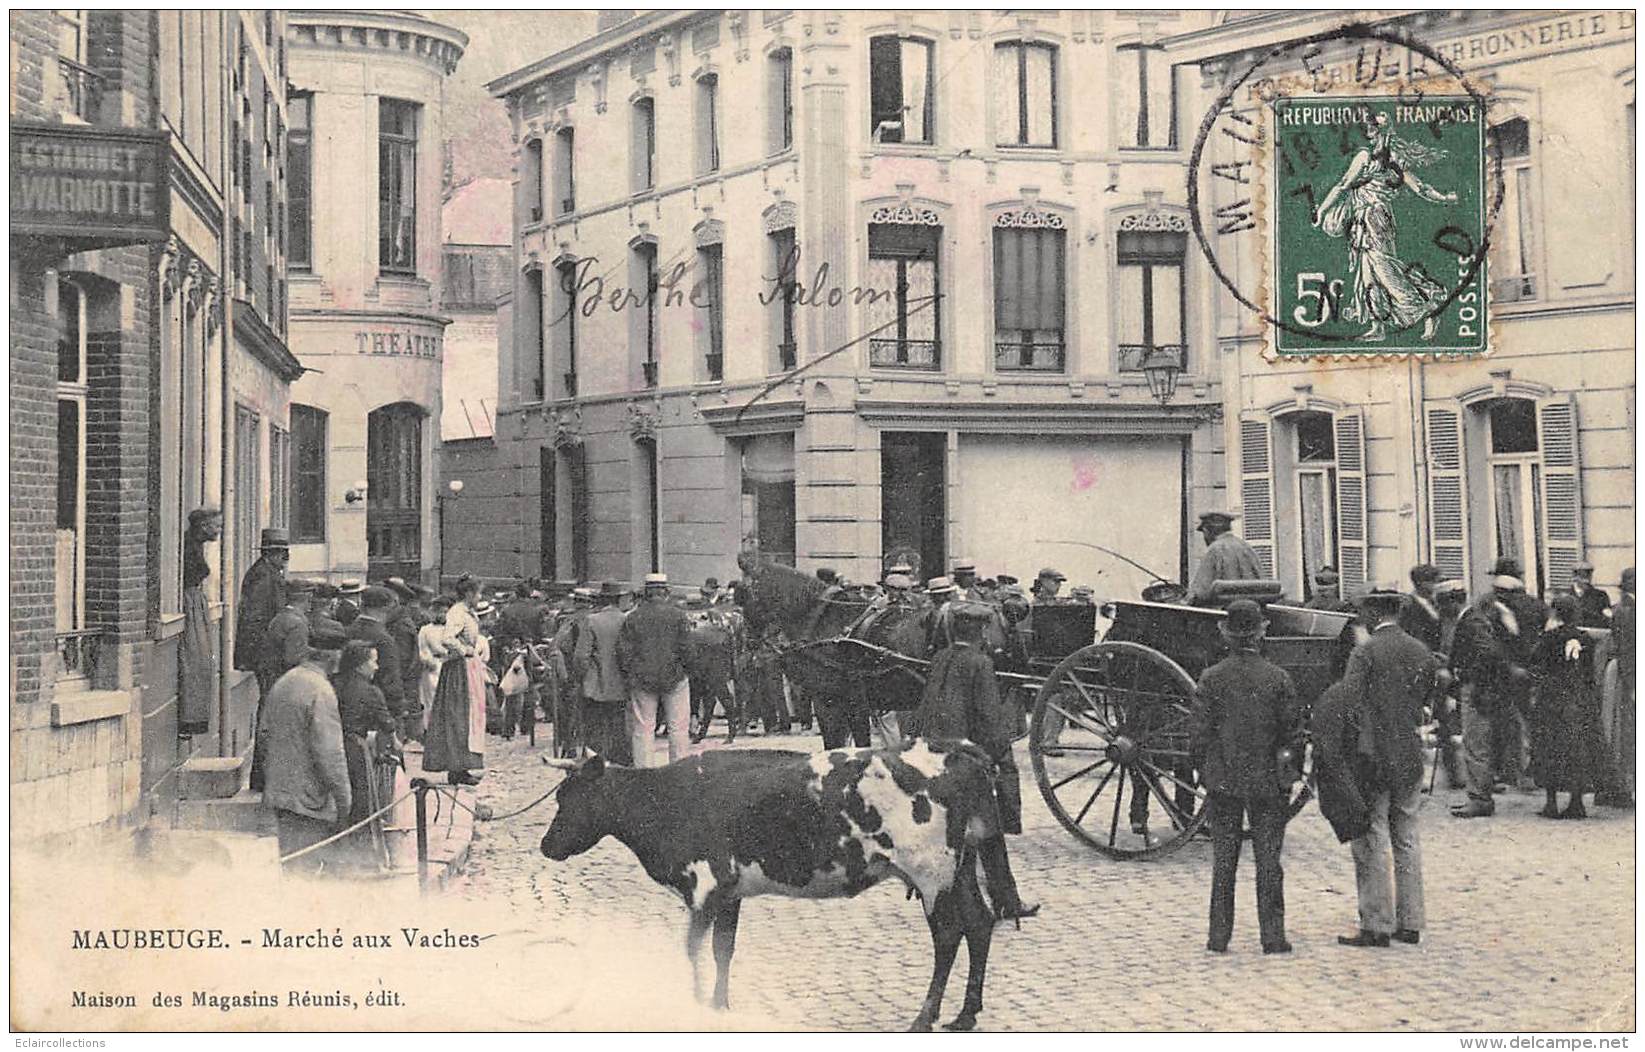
(306, 781)
(605, 688)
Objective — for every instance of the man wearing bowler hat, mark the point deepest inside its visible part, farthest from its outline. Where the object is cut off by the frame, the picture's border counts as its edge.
(262, 595)
(1246, 717)
(1593, 605)
(1390, 677)
(604, 687)
(1226, 558)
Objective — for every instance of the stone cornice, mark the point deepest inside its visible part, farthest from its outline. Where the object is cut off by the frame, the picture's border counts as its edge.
(1107, 418)
(412, 35)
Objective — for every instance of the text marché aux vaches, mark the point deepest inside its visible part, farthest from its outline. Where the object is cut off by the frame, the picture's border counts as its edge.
(272, 939)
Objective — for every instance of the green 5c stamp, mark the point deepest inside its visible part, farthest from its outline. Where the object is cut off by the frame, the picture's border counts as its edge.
(1378, 218)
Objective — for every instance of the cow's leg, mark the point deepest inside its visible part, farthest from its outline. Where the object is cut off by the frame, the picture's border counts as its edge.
(725, 942)
(945, 943)
(979, 936)
(696, 929)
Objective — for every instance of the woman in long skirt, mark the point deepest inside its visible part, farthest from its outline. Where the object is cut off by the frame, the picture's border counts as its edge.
(1564, 724)
(433, 649)
(457, 724)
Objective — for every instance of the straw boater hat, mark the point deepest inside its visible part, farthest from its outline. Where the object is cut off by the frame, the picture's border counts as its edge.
(964, 566)
(656, 580)
(939, 586)
(1455, 586)
(351, 586)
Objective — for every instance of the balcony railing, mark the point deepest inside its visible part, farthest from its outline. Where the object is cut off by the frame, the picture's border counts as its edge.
(1030, 357)
(716, 365)
(787, 355)
(568, 204)
(536, 213)
(905, 354)
(648, 372)
(1134, 355)
(83, 88)
(77, 653)
(570, 382)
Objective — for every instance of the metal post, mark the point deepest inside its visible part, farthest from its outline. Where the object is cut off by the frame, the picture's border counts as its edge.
(421, 787)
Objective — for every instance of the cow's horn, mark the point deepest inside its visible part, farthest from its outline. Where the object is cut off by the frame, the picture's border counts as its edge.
(561, 764)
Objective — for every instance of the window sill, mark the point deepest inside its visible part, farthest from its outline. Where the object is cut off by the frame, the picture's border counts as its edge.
(402, 277)
(905, 149)
(89, 706)
(166, 626)
(1162, 150)
(1032, 149)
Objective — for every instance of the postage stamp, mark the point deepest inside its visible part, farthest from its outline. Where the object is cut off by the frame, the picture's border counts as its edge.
(1349, 196)
(1377, 218)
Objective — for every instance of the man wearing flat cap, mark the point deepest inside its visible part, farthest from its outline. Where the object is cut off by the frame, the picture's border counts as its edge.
(1047, 585)
(1245, 713)
(1593, 605)
(301, 734)
(285, 641)
(1327, 593)
(1390, 677)
(377, 606)
(1226, 558)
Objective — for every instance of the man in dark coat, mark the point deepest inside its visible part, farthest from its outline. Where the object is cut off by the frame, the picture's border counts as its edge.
(1390, 678)
(1340, 773)
(1593, 605)
(652, 649)
(1620, 726)
(377, 605)
(1419, 617)
(262, 594)
(1517, 618)
(285, 643)
(1246, 718)
(1484, 674)
(403, 624)
(962, 700)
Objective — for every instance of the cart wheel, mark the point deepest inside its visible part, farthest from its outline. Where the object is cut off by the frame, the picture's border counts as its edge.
(1109, 744)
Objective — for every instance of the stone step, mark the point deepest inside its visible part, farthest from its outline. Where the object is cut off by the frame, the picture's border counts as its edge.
(212, 777)
(241, 813)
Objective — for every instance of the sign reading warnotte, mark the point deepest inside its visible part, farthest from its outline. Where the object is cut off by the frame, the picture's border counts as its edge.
(97, 185)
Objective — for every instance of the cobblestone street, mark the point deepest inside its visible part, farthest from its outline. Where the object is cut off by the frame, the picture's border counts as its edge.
(1531, 928)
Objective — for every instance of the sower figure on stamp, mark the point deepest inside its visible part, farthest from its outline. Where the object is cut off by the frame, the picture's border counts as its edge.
(962, 700)
(1246, 720)
(1390, 677)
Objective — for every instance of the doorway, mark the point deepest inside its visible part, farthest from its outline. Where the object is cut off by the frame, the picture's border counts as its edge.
(913, 500)
(394, 491)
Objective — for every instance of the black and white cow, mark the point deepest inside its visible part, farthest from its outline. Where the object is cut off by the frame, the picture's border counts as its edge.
(727, 825)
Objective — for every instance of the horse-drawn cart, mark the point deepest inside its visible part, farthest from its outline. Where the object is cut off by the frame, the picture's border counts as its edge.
(1109, 738)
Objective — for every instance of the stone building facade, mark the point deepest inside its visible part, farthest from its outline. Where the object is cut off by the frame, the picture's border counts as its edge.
(134, 324)
(795, 186)
(1528, 453)
(365, 266)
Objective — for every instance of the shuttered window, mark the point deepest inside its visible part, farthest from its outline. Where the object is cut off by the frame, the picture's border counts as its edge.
(1353, 544)
(1561, 491)
(1447, 503)
(1257, 490)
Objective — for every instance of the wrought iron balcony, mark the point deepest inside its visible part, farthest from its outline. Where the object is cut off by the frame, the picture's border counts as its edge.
(568, 204)
(77, 653)
(716, 365)
(905, 354)
(83, 88)
(787, 355)
(1030, 357)
(1134, 355)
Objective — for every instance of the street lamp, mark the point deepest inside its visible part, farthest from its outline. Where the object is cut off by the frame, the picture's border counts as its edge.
(1162, 367)
(455, 490)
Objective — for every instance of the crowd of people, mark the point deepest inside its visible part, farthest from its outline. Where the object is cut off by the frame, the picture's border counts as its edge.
(1518, 694)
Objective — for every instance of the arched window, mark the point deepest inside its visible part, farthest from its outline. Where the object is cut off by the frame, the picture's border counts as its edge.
(780, 100)
(708, 123)
(643, 153)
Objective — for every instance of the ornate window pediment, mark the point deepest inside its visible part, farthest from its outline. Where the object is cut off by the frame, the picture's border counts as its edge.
(907, 213)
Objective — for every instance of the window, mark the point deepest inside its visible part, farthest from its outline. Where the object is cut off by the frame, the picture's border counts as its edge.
(78, 84)
(548, 523)
(1513, 245)
(279, 476)
(1025, 78)
(1152, 303)
(565, 184)
(708, 124)
(1029, 283)
(785, 264)
(642, 317)
(644, 152)
(903, 305)
(768, 495)
(532, 184)
(901, 95)
(565, 324)
(1147, 100)
(575, 456)
(780, 100)
(397, 185)
(248, 485)
(308, 481)
(72, 391)
(1303, 487)
(534, 336)
(650, 499)
(1515, 472)
(711, 301)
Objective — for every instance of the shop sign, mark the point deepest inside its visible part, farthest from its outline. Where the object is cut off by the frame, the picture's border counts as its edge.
(94, 187)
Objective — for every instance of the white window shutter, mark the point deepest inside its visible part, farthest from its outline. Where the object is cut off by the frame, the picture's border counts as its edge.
(1256, 490)
(1447, 492)
(1561, 492)
(1352, 514)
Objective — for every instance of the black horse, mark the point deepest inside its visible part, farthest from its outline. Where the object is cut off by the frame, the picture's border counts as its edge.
(846, 682)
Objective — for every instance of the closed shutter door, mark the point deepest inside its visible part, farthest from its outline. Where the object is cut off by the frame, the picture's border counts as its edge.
(1256, 490)
(1352, 542)
(1561, 493)
(1447, 493)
